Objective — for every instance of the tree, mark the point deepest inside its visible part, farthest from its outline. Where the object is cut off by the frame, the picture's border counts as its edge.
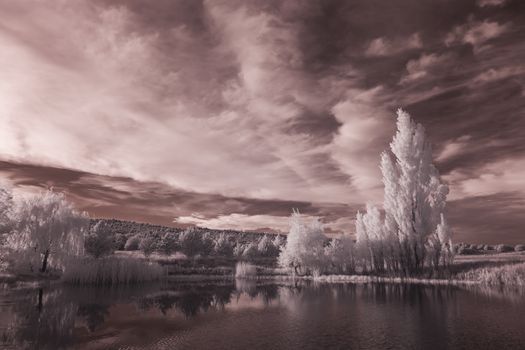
(191, 242)
(100, 241)
(266, 248)
(147, 245)
(304, 251)
(6, 208)
(278, 242)
(414, 195)
(48, 230)
(370, 236)
(133, 242)
(250, 251)
(169, 243)
(340, 254)
(223, 247)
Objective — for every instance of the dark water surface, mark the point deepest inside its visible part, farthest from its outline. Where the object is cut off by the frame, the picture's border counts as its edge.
(261, 316)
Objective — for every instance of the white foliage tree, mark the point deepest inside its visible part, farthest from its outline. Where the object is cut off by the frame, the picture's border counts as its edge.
(48, 230)
(440, 245)
(415, 197)
(304, 251)
(371, 237)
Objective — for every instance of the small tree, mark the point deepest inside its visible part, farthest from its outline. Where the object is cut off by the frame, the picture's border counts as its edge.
(169, 243)
(340, 253)
(48, 230)
(6, 208)
(223, 247)
(279, 242)
(250, 251)
(266, 248)
(304, 251)
(207, 245)
(99, 242)
(191, 242)
(147, 245)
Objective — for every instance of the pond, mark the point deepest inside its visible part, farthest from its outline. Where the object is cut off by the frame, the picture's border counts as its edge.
(243, 315)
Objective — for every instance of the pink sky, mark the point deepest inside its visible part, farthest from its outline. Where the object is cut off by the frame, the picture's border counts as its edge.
(228, 114)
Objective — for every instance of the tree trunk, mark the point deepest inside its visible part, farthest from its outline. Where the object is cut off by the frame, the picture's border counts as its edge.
(44, 263)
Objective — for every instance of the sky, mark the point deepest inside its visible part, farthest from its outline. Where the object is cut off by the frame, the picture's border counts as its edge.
(229, 114)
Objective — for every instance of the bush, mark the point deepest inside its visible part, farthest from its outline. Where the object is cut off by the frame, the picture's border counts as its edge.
(503, 248)
(467, 251)
(519, 248)
(111, 271)
(245, 270)
(133, 243)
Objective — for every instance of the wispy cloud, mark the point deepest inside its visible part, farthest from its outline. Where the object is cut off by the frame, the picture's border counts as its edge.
(476, 33)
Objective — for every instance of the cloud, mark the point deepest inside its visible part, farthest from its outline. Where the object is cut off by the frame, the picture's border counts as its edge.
(239, 222)
(424, 66)
(384, 47)
(501, 176)
(476, 33)
(488, 3)
(495, 74)
(453, 148)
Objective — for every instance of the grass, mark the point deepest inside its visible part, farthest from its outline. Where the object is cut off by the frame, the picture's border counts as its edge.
(512, 275)
(111, 271)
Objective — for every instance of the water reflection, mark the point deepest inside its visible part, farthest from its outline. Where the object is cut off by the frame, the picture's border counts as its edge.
(277, 315)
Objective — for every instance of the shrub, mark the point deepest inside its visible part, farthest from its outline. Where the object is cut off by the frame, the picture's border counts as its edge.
(467, 251)
(111, 271)
(520, 248)
(503, 248)
(245, 270)
(133, 243)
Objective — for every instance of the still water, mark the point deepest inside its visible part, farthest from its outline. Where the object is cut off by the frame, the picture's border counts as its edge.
(241, 315)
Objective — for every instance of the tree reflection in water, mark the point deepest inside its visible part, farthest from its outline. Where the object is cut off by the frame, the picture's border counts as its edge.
(51, 317)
